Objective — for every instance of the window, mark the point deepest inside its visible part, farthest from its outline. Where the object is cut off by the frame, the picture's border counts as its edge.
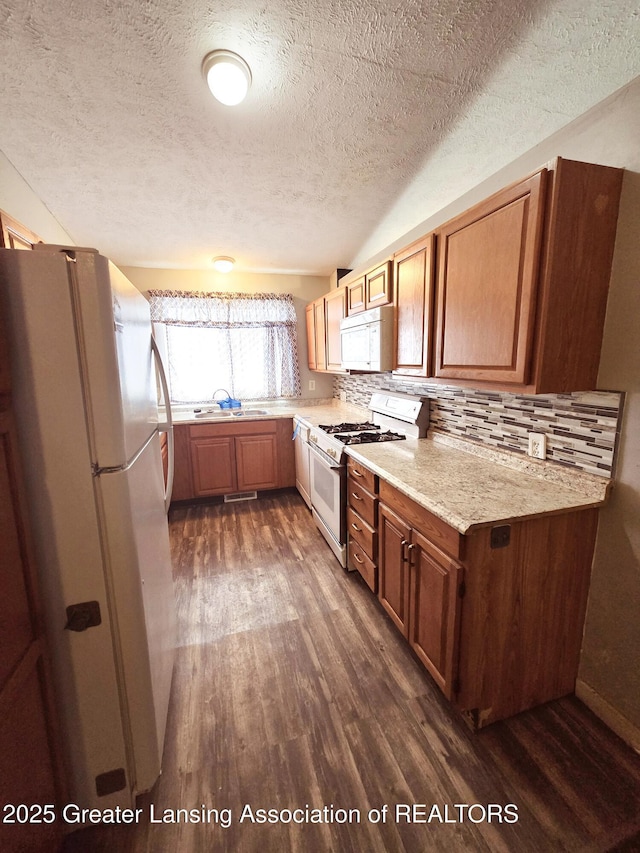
(243, 343)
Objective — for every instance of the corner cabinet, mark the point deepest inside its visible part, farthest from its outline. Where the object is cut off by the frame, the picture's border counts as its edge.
(523, 279)
(222, 458)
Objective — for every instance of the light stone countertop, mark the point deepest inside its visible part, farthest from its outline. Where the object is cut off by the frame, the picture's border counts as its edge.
(465, 485)
(467, 491)
(313, 412)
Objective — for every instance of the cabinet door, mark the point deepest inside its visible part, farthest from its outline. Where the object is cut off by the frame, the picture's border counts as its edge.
(378, 286)
(356, 298)
(311, 336)
(393, 568)
(335, 309)
(320, 334)
(213, 466)
(434, 610)
(256, 461)
(413, 277)
(488, 264)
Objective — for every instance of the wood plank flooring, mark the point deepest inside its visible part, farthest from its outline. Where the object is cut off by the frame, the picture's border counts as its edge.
(292, 689)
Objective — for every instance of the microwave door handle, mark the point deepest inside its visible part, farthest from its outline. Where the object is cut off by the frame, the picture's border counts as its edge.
(167, 426)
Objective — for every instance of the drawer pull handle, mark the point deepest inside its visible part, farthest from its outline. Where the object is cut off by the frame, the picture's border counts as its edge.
(356, 473)
(355, 527)
(357, 559)
(356, 496)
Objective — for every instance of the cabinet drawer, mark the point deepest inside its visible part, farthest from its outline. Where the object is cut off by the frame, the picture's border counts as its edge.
(364, 503)
(363, 476)
(362, 532)
(439, 532)
(359, 561)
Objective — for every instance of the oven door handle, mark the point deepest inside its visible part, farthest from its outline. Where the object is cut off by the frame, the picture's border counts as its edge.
(324, 458)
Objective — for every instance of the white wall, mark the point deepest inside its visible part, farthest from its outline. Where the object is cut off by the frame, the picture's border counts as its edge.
(20, 201)
(302, 288)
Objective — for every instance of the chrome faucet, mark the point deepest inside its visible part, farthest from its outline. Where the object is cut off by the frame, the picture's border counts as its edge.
(224, 391)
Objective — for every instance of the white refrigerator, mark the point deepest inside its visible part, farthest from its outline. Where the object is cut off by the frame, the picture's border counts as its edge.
(85, 392)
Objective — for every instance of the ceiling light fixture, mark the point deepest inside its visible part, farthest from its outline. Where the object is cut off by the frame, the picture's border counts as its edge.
(223, 264)
(227, 75)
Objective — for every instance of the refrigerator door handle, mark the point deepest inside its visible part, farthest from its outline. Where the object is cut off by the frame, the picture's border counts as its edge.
(167, 426)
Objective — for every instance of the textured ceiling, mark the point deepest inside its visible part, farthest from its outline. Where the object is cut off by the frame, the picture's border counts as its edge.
(365, 116)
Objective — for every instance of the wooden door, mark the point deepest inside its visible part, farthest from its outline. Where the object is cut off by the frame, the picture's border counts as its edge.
(378, 286)
(14, 235)
(30, 752)
(356, 297)
(413, 283)
(434, 610)
(393, 570)
(256, 462)
(335, 310)
(488, 265)
(213, 466)
(320, 334)
(312, 358)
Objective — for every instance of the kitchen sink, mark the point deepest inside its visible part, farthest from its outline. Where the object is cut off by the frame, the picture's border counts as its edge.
(213, 414)
(218, 414)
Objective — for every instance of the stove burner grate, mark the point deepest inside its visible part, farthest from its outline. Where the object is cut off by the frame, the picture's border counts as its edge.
(331, 429)
(370, 437)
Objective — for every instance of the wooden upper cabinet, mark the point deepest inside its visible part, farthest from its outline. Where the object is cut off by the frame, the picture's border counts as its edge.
(523, 279)
(379, 286)
(487, 277)
(13, 235)
(413, 284)
(356, 296)
(320, 334)
(312, 358)
(335, 304)
(371, 289)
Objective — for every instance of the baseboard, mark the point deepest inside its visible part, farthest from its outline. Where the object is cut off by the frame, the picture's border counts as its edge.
(618, 723)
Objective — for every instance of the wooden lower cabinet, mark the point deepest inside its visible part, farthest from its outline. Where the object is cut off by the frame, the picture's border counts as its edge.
(221, 458)
(362, 520)
(256, 462)
(496, 616)
(419, 588)
(213, 465)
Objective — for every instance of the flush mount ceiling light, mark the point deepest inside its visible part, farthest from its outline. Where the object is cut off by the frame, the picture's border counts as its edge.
(227, 75)
(223, 264)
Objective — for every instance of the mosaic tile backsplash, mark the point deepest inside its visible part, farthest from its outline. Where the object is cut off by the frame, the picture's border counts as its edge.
(581, 428)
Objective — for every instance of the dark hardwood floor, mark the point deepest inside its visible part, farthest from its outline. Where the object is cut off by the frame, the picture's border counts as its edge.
(293, 689)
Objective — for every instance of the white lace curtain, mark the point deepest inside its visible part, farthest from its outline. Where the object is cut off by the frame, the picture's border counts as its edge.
(243, 343)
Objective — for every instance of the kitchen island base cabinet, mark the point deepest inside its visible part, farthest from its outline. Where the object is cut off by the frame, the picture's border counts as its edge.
(496, 616)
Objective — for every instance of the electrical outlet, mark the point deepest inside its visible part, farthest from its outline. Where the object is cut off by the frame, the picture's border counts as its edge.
(312, 385)
(538, 445)
(343, 396)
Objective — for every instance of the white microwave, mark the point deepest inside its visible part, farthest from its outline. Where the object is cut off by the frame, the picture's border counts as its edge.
(366, 340)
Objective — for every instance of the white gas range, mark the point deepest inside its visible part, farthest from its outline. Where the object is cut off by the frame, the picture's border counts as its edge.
(394, 417)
